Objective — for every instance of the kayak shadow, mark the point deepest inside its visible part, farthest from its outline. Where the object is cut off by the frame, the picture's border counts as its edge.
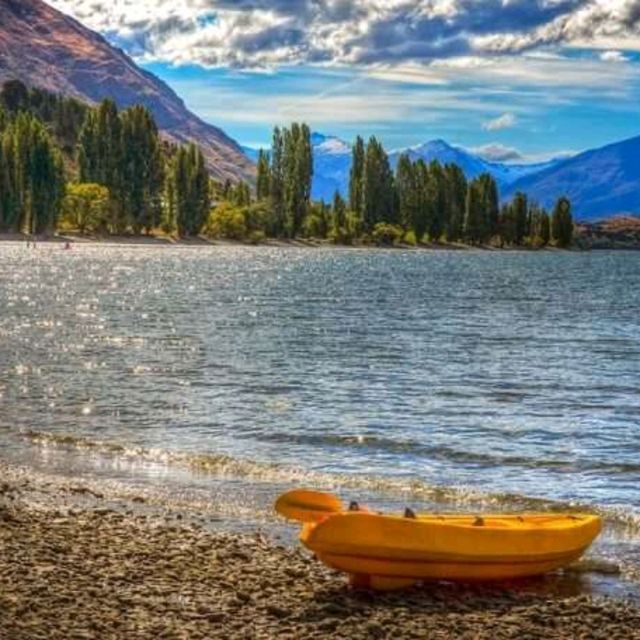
(343, 601)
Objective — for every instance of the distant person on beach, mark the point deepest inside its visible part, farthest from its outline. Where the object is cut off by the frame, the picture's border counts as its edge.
(67, 246)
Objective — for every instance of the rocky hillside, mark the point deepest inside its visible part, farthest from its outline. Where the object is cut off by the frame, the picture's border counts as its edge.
(47, 49)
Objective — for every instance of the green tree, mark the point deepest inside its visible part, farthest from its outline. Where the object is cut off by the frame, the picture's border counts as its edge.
(520, 214)
(437, 194)
(562, 223)
(490, 205)
(387, 235)
(227, 221)
(31, 177)
(356, 178)
(456, 193)
(379, 190)
(100, 158)
(507, 225)
(474, 224)
(408, 192)
(298, 173)
(239, 194)
(264, 176)
(188, 187)
(85, 207)
(142, 169)
(338, 212)
(544, 228)
(540, 228)
(276, 182)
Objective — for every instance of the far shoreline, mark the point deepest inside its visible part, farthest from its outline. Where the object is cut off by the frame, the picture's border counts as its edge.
(74, 239)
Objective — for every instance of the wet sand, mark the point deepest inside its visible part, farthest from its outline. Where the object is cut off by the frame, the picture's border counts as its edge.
(91, 571)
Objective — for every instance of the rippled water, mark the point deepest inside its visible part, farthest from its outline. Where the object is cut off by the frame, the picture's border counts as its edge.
(461, 377)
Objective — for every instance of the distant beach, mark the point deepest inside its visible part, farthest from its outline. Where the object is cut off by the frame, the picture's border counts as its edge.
(622, 232)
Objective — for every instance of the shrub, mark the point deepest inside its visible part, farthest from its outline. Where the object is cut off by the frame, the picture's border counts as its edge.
(226, 221)
(85, 207)
(410, 238)
(387, 235)
(256, 237)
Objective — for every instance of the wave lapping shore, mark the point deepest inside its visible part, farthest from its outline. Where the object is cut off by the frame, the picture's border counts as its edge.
(70, 571)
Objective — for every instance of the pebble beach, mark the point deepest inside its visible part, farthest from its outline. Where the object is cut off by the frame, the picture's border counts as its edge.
(80, 571)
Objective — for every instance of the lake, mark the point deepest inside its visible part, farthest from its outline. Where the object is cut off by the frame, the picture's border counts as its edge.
(441, 379)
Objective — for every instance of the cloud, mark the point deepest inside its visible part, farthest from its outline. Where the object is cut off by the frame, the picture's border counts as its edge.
(496, 152)
(588, 21)
(505, 121)
(613, 56)
(267, 33)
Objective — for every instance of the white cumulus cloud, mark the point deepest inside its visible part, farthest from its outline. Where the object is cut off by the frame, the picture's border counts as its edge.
(613, 56)
(505, 121)
(267, 33)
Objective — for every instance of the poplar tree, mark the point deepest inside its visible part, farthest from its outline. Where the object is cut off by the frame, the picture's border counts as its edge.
(540, 232)
(263, 188)
(31, 177)
(414, 203)
(544, 229)
(562, 223)
(474, 228)
(356, 178)
(520, 212)
(379, 190)
(188, 189)
(276, 181)
(438, 200)
(490, 205)
(99, 153)
(338, 212)
(142, 169)
(456, 193)
(100, 157)
(298, 172)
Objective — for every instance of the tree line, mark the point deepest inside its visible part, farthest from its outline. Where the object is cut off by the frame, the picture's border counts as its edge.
(65, 165)
(418, 202)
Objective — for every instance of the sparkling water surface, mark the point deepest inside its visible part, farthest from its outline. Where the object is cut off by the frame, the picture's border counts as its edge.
(513, 374)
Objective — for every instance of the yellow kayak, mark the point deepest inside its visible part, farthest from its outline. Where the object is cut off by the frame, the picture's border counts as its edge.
(391, 552)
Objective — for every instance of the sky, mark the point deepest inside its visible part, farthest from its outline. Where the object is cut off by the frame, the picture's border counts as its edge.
(513, 80)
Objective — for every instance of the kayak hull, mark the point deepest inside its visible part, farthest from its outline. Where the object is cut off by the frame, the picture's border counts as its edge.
(438, 570)
(387, 552)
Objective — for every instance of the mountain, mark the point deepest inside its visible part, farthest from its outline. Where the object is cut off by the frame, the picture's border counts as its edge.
(600, 183)
(47, 49)
(251, 153)
(332, 164)
(471, 164)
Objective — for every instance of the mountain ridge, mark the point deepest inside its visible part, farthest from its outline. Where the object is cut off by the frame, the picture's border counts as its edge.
(45, 48)
(600, 183)
(332, 163)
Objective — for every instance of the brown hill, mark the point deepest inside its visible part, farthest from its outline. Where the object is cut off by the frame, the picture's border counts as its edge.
(45, 48)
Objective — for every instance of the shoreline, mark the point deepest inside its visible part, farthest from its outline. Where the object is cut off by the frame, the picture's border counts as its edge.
(298, 243)
(72, 565)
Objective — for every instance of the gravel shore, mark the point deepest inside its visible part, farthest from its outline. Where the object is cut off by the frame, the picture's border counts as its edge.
(93, 572)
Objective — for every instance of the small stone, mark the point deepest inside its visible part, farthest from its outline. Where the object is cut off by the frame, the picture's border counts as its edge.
(277, 611)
